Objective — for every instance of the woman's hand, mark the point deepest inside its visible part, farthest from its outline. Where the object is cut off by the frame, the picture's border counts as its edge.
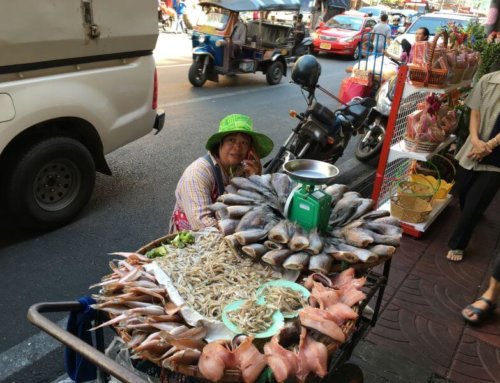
(252, 166)
(479, 150)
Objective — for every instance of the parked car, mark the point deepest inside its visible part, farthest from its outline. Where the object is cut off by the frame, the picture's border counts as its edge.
(341, 34)
(78, 86)
(432, 21)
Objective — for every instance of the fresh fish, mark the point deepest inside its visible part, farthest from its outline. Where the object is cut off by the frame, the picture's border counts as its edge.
(281, 185)
(357, 237)
(231, 189)
(216, 206)
(299, 240)
(235, 199)
(273, 245)
(255, 250)
(365, 206)
(255, 219)
(344, 209)
(228, 225)
(245, 183)
(247, 237)
(391, 240)
(322, 321)
(375, 214)
(320, 263)
(296, 261)
(257, 197)
(382, 228)
(263, 182)
(238, 211)
(363, 254)
(276, 257)
(382, 250)
(336, 191)
(279, 233)
(221, 214)
(315, 243)
(388, 220)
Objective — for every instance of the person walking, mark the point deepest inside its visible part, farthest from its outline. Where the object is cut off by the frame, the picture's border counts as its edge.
(180, 9)
(381, 34)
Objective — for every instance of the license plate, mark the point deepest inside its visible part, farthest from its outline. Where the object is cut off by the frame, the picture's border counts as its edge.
(325, 46)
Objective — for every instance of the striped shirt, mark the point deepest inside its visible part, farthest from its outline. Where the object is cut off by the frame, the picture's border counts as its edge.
(194, 194)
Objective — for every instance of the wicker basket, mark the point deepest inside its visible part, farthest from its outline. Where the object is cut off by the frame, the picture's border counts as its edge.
(428, 76)
(420, 146)
(422, 189)
(410, 209)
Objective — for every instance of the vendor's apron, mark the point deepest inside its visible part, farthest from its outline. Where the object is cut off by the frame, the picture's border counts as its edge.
(180, 220)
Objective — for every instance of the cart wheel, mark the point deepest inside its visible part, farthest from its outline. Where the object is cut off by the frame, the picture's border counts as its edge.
(274, 73)
(348, 373)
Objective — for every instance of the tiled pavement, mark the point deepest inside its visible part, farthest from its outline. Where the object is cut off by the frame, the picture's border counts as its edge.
(420, 335)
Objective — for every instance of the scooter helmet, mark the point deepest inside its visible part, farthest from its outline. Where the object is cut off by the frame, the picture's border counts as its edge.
(306, 71)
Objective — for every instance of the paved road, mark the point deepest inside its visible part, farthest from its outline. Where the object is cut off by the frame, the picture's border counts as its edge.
(133, 207)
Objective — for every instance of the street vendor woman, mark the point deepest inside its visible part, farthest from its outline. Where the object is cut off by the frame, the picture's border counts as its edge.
(235, 150)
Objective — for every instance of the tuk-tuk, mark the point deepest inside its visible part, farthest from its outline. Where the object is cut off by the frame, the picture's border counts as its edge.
(268, 45)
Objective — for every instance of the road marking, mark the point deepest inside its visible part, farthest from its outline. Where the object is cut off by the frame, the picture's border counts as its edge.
(27, 352)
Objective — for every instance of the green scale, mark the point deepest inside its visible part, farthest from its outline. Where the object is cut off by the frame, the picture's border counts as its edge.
(309, 205)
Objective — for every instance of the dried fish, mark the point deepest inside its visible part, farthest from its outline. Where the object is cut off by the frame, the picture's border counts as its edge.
(252, 318)
(287, 300)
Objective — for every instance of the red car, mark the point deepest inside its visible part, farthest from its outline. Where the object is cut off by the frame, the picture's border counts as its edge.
(342, 34)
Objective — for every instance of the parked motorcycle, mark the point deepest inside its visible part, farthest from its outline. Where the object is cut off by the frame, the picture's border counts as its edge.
(320, 134)
(370, 144)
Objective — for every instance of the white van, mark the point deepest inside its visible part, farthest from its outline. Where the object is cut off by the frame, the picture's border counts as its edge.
(77, 81)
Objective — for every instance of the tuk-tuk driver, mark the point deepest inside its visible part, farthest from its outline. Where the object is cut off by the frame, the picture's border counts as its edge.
(235, 150)
(238, 37)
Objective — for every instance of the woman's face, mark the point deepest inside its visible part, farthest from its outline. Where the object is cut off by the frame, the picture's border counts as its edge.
(420, 35)
(234, 149)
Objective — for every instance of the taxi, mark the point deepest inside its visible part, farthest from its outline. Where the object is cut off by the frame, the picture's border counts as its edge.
(342, 34)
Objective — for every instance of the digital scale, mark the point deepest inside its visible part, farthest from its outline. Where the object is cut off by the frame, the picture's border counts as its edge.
(308, 205)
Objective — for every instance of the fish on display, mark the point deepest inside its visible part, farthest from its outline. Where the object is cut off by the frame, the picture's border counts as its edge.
(297, 261)
(343, 210)
(256, 218)
(271, 245)
(228, 225)
(235, 199)
(276, 257)
(246, 184)
(365, 206)
(238, 211)
(299, 240)
(262, 182)
(255, 250)
(357, 236)
(315, 243)
(280, 232)
(336, 191)
(363, 254)
(257, 197)
(249, 236)
(321, 263)
(281, 184)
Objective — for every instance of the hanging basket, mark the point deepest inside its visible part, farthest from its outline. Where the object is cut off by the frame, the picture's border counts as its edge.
(428, 76)
(410, 209)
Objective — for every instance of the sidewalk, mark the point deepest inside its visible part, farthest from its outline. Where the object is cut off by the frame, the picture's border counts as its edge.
(420, 335)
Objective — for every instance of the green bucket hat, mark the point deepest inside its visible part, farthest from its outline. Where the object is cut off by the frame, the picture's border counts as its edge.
(239, 123)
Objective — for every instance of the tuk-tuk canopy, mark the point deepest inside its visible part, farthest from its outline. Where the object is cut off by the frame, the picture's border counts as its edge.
(254, 5)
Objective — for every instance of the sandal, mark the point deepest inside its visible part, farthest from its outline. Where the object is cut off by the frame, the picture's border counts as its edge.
(455, 255)
(481, 314)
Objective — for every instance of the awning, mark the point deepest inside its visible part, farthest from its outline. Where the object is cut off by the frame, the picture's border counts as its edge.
(254, 5)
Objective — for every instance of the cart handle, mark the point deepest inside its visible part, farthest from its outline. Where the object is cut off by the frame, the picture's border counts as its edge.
(88, 352)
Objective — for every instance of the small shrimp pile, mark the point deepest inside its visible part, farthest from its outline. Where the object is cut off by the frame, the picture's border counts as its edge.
(287, 300)
(252, 318)
(209, 276)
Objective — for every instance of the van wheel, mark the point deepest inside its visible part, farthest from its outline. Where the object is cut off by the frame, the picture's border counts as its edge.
(274, 73)
(50, 182)
(196, 76)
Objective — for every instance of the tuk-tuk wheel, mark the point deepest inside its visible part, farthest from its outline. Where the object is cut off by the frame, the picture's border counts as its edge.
(196, 76)
(274, 73)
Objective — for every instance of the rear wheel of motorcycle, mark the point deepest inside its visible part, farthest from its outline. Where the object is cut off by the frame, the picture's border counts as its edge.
(196, 76)
(274, 73)
(370, 149)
